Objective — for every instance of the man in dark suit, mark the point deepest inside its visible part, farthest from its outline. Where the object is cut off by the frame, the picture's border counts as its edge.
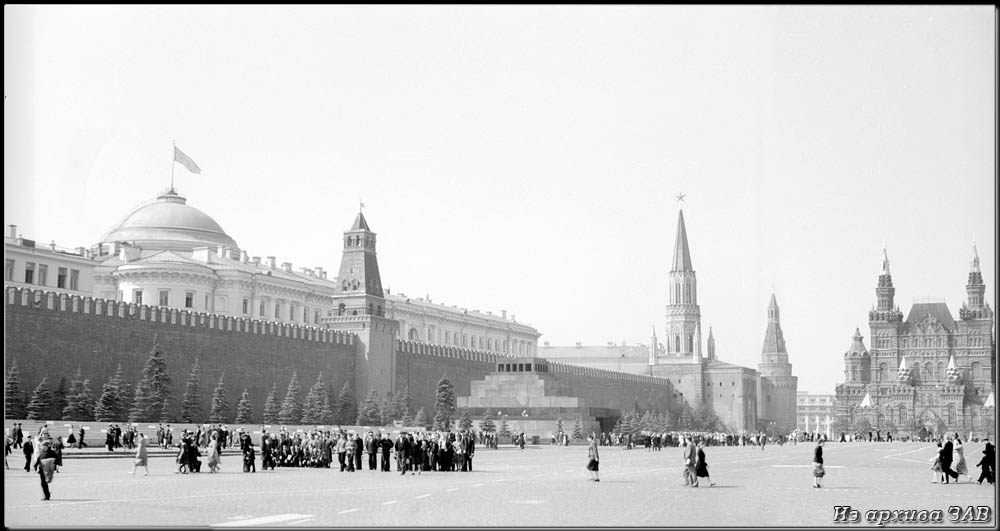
(385, 444)
(17, 435)
(371, 448)
(29, 449)
(359, 448)
(470, 449)
(946, 460)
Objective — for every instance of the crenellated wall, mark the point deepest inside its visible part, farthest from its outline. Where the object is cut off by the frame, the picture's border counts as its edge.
(51, 333)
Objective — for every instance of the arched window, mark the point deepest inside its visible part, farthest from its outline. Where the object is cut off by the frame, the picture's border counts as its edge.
(883, 372)
(447, 337)
(690, 343)
(975, 419)
(379, 310)
(939, 373)
(677, 343)
(951, 416)
(975, 370)
(677, 293)
(687, 292)
(413, 335)
(341, 308)
(926, 374)
(902, 414)
(854, 374)
(371, 310)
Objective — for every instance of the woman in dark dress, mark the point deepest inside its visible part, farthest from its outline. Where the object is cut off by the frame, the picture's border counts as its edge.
(818, 471)
(701, 466)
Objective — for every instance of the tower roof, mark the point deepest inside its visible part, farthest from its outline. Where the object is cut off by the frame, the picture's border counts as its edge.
(866, 402)
(885, 262)
(682, 256)
(360, 223)
(857, 345)
(938, 310)
(169, 223)
(974, 263)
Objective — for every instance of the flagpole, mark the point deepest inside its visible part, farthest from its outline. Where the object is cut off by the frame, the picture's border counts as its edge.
(173, 162)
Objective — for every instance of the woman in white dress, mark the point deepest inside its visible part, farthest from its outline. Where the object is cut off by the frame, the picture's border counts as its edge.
(961, 467)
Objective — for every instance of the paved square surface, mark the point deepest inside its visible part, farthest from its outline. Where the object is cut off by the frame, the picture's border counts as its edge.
(539, 486)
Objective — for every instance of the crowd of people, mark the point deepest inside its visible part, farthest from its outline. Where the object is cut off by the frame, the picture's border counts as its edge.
(951, 451)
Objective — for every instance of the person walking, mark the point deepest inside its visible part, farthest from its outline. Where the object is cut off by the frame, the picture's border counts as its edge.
(961, 468)
(141, 455)
(593, 458)
(45, 464)
(701, 467)
(987, 462)
(214, 459)
(690, 456)
(936, 465)
(947, 457)
(79, 440)
(818, 470)
(29, 450)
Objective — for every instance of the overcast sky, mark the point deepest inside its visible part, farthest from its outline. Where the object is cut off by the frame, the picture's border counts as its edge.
(527, 158)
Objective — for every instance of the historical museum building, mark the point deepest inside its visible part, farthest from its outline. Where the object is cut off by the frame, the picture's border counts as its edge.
(167, 253)
(927, 373)
(817, 413)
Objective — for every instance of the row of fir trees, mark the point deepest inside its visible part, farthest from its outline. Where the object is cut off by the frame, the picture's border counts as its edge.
(149, 401)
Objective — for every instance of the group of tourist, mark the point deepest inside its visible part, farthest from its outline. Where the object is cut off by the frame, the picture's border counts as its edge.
(413, 452)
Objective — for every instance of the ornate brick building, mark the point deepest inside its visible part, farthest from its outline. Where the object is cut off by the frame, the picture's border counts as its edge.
(926, 374)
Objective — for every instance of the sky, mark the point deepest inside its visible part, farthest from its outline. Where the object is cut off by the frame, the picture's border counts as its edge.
(527, 158)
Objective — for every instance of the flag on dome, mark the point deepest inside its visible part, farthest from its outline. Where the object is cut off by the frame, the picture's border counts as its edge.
(179, 156)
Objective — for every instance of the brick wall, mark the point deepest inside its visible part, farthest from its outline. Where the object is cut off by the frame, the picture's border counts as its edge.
(51, 334)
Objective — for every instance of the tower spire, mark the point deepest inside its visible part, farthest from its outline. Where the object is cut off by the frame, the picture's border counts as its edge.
(885, 292)
(975, 288)
(682, 255)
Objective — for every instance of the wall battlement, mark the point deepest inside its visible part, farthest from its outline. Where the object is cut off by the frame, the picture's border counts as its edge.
(62, 302)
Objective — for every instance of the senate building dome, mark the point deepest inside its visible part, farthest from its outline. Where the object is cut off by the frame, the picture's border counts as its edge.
(169, 223)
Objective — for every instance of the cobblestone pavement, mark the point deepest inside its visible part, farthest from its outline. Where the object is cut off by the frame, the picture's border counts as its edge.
(538, 486)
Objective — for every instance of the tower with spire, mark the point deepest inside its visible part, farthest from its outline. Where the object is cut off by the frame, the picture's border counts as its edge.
(360, 309)
(710, 345)
(683, 312)
(885, 323)
(780, 388)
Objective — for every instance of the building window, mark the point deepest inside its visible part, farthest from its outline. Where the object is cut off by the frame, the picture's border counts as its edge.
(189, 299)
(951, 415)
(43, 275)
(29, 273)
(341, 309)
(164, 297)
(61, 278)
(316, 317)
(305, 314)
(902, 414)
(277, 310)
(246, 305)
(74, 279)
(975, 370)
(262, 309)
(9, 271)
(137, 296)
(206, 302)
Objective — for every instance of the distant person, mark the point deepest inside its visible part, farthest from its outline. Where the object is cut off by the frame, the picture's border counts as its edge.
(818, 470)
(690, 455)
(29, 451)
(947, 458)
(593, 458)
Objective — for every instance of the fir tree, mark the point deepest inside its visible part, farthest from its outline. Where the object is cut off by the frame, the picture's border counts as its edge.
(13, 401)
(291, 407)
(504, 428)
(420, 420)
(41, 400)
(577, 430)
(402, 406)
(408, 419)
(326, 411)
(191, 407)
(59, 400)
(155, 386)
(79, 403)
(368, 410)
(344, 413)
(104, 410)
(312, 407)
(444, 406)
(271, 405)
(124, 395)
(487, 424)
(386, 410)
(244, 411)
(465, 421)
(136, 412)
(220, 406)
(164, 414)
